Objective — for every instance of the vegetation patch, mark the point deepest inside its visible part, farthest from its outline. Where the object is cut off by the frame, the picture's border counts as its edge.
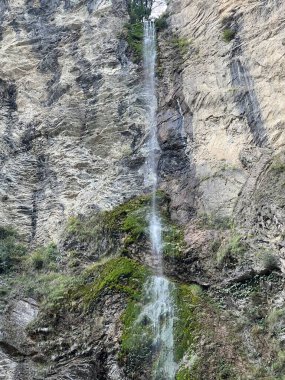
(181, 44)
(278, 164)
(124, 230)
(161, 22)
(116, 275)
(133, 33)
(137, 340)
(232, 251)
(122, 275)
(173, 240)
(133, 30)
(43, 258)
(139, 9)
(215, 222)
(187, 301)
(129, 217)
(228, 34)
(12, 251)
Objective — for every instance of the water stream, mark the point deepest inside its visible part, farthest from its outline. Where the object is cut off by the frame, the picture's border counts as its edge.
(159, 309)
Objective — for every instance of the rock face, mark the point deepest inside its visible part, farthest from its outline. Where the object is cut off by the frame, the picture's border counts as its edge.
(221, 121)
(73, 145)
(234, 119)
(15, 346)
(72, 129)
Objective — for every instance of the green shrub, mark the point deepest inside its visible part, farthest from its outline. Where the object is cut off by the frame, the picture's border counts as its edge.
(210, 221)
(12, 251)
(139, 9)
(73, 225)
(234, 249)
(161, 22)
(43, 257)
(270, 261)
(228, 34)
(134, 37)
(181, 44)
(58, 293)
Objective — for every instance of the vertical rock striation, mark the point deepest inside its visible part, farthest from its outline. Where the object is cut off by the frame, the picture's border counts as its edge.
(72, 124)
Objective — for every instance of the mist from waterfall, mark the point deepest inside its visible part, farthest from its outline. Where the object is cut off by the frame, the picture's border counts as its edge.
(158, 310)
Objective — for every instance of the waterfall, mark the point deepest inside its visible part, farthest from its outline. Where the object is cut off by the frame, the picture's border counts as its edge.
(158, 310)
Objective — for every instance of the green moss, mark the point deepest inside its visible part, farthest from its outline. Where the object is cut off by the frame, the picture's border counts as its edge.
(184, 374)
(122, 216)
(59, 292)
(137, 340)
(228, 34)
(119, 274)
(186, 324)
(173, 240)
(125, 227)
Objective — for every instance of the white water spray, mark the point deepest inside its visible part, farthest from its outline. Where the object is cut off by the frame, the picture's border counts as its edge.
(159, 307)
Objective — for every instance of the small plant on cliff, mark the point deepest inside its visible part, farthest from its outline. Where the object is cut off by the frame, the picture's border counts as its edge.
(134, 37)
(43, 257)
(181, 44)
(161, 23)
(228, 34)
(210, 221)
(11, 250)
(278, 165)
(232, 250)
(270, 261)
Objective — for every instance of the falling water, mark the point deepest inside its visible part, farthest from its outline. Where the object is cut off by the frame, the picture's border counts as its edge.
(159, 307)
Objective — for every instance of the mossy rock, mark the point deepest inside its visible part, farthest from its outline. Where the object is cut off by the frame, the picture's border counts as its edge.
(115, 275)
(137, 341)
(122, 275)
(187, 300)
(126, 228)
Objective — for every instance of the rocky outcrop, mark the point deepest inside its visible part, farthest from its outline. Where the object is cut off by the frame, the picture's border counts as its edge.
(233, 118)
(72, 129)
(73, 145)
(16, 349)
